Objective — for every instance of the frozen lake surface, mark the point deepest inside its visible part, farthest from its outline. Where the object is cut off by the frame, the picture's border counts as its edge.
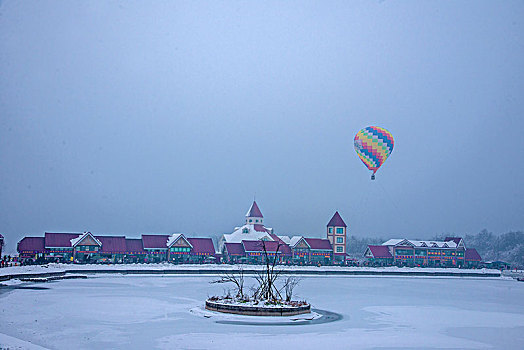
(140, 312)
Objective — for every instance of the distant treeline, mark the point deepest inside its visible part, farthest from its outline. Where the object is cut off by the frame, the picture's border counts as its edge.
(508, 247)
(357, 246)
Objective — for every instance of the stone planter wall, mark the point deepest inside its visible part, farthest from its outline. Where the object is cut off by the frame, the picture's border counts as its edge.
(257, 310)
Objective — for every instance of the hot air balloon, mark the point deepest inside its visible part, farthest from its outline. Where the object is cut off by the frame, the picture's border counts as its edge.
(373, 145)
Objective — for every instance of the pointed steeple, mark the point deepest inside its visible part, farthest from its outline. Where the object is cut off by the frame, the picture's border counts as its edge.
(254, 211)
(336, 220)
(254, 215)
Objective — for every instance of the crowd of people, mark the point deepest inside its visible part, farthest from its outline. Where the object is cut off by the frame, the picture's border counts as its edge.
(8, 260)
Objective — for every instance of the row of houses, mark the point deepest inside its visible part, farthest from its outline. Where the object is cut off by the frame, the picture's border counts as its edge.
(304, 251)
(451, 252)
(88, 248)
(244, 243)
(176, 248)
(249, 243)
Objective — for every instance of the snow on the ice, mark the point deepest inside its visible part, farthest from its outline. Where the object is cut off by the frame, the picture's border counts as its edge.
(155, 311)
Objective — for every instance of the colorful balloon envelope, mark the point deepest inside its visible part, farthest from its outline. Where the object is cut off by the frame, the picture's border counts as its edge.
(373, 145)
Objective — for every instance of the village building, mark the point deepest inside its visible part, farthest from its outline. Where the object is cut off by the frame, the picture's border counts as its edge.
(243, 244)
(379, 255)
(312, 251)
(337, 236)
(190, 250)
(256, 251)
(135, 252)
(473, 258)
(234, 253)
(451, 252)
(32, 249)
(58, 246)
(252, 230)
(87, 248)
(155, 247)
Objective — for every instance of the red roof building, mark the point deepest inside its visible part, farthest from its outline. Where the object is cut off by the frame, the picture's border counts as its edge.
(60, 240)
(337, 235)
(336, 221)
(254, 211)
(378, 252)
(472, 255)
(202, 246)
(112, 244)
(234, 249)
(31, 246)
(134, 246)
(155, 241)
(318, 244)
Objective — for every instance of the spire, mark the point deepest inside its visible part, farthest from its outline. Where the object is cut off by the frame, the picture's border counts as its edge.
(254, 211)
(336, 220)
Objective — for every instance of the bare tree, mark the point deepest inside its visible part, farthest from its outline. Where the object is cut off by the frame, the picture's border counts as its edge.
(289, 285)
(236, 278)
(266, 280)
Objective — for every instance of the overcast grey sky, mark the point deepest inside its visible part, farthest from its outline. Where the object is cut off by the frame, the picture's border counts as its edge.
(134, 117)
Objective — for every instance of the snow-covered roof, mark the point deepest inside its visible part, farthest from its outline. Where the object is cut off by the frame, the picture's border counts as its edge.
(174, 237)
(439, 244)
(429, 244)
(291, 241)
(248, 233)
(393, 241)
(74, 241)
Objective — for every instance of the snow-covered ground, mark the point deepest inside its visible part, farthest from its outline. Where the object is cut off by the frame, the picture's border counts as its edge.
(151, 311)
(166, 266)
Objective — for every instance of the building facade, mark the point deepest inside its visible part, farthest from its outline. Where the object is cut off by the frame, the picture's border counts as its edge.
(243, 244)
(337, 235)
(451, 252)
(249, 243)
(88, 248)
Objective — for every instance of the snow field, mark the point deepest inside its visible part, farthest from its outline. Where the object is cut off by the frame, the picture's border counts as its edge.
(150, 311)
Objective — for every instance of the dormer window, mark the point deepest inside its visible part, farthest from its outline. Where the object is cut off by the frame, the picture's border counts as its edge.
(245, 230)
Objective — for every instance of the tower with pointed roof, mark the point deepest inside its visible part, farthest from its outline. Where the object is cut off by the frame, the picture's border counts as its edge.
(254, 215)
(336, 234)
(252, 230)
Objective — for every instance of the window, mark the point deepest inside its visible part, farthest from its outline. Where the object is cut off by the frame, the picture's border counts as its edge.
(340, 240)
(331, 230)
(245, 230)
(339, 249)
(256, 220)
(340, 230)
(250, 220)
